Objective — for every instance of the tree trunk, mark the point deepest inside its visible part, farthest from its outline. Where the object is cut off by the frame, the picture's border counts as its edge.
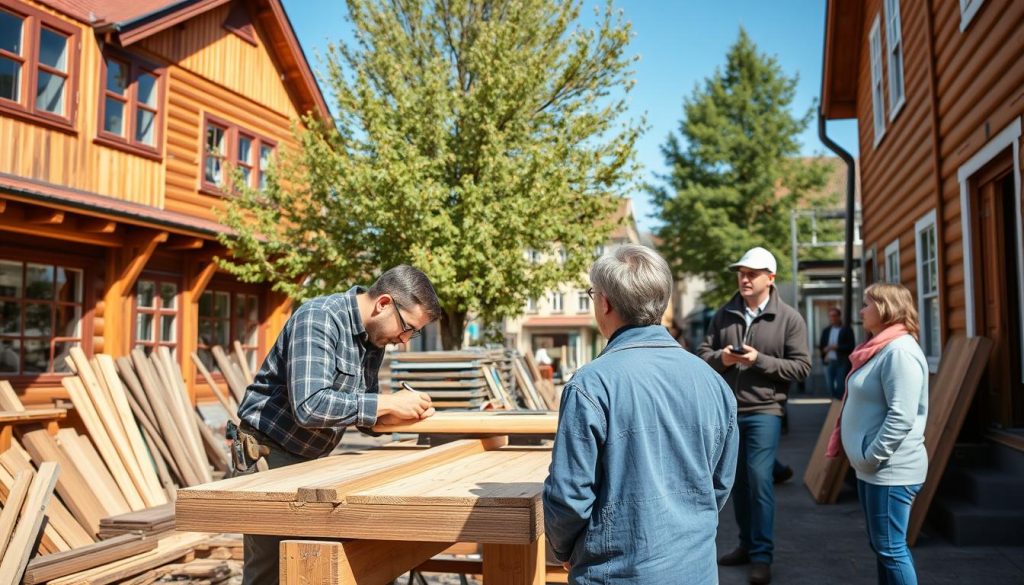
(453, 324)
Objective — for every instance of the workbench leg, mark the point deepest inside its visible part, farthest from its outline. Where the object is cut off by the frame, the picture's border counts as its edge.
(514, 564)
(362, 562)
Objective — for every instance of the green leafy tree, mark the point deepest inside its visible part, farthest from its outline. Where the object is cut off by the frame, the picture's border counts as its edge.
(735, 171)
(468, 132)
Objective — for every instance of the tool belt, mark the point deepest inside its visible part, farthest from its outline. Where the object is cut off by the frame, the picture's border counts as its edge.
(249, 448)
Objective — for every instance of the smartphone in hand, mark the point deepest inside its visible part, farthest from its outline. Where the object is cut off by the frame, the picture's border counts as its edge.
(736, 349)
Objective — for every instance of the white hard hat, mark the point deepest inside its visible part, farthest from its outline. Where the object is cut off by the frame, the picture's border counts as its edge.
(756, 259)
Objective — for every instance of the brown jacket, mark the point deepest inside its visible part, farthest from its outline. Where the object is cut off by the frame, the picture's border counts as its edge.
(779, 334)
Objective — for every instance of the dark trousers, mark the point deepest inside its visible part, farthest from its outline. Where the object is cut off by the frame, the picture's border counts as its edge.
(753, 491)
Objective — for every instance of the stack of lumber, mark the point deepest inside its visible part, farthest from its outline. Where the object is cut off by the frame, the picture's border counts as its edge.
(455, 380)
(148, 522)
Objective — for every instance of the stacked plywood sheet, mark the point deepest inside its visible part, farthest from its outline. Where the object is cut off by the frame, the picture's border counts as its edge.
(455, 380)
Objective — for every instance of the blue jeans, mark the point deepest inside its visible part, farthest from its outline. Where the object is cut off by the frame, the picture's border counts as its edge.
(835, 378)
(887, 511)
(753, 494)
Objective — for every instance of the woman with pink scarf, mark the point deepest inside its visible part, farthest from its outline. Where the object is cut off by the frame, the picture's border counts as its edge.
(881, 427)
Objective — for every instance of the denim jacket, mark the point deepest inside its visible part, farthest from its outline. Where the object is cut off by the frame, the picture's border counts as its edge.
(643, 461)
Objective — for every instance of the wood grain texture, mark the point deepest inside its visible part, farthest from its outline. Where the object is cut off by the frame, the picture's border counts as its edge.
(352, 562)
(48, 567)
(30, 521)
(481, 423)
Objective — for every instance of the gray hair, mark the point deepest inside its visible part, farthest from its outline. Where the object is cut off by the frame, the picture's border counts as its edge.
(409, 287)
(636, 281)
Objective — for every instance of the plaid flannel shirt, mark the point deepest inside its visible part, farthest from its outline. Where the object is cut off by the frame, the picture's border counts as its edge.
(319, 378)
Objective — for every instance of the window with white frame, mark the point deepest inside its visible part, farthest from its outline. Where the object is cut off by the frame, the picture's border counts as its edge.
(892, 262)
(925, 237)
(557, 302)
(894, 56)
(583, 301)
(563, 255)
(531, 305)
(877, 105)
(968, 8)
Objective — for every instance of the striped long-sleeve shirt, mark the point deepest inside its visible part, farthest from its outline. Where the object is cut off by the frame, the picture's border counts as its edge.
(319, 378)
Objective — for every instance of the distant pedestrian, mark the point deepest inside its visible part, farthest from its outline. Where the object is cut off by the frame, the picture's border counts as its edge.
(881, 427)
(759, 345)
(646, 447)
(835, 345)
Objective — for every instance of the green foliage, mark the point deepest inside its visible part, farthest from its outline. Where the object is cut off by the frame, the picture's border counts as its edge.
(735, 171)
(467, 132)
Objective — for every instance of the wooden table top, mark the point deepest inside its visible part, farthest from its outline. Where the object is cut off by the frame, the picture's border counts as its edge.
(456, 492)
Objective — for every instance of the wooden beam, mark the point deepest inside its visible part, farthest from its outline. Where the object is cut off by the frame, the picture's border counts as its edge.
(514, 564)
(480, 423)
(198, 269)
(97, 225)
(181, 243)
(3, 205)
(366, 562)
(16, 222)
(123, 268)
(33, 512)
(44, 215)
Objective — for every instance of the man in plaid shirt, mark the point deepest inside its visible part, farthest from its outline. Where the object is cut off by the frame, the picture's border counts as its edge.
(321, 377)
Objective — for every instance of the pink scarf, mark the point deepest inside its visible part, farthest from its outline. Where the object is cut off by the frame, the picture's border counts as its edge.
(858, 358)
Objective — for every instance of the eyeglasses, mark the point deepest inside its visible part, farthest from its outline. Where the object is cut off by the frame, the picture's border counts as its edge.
(413, 333)
(590, 293)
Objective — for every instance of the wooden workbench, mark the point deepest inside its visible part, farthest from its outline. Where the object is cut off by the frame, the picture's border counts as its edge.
(399, 508)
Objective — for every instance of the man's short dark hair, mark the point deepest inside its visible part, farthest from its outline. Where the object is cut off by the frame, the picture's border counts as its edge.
(409, 287)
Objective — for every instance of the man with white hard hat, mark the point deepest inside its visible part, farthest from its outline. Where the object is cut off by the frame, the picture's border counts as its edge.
(757, 343)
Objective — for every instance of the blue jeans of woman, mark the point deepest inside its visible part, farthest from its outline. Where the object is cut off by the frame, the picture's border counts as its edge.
(887, 512)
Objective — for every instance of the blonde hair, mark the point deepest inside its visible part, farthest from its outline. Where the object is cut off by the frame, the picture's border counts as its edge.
(895, 305)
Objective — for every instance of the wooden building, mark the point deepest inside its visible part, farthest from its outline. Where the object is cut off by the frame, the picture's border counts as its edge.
(119, 123)
(936, 87)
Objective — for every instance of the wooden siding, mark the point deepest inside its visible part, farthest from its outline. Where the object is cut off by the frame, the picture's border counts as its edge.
(204, 47)
(73, 159)
(975, 93)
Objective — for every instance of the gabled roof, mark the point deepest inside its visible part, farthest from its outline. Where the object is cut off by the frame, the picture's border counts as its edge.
(126, 22)
(844, 22)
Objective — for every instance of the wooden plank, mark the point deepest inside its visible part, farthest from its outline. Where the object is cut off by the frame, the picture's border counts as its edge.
(521, 564)
(81, 451)
(45, 568)
(435, 375)
(9, 398)
(153, 494)
(963, 363)
(111, 457)
(136, 491)
(32, 416)
(77, 493)
(66, 531)
(243, 363)
(214, 448)
(51, 541)
(390, 470)
(524, 391)
(480, 423)
(12, 507)
(230, 406)
(355, 561)
(179, 397)
(30, 522)
(231, 375)
(167, 550)
(824, 476)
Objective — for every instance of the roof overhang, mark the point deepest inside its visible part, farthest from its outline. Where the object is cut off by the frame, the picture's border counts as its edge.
(844, 21)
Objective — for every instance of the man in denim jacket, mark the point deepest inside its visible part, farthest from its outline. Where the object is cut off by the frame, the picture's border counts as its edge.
(646, 447)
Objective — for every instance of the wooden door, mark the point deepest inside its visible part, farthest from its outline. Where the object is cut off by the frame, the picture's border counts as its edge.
(998, 297)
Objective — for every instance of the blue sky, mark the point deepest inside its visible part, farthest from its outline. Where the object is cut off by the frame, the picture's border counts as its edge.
(680, 42)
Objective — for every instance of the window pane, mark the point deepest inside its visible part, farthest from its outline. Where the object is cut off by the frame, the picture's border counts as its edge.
(265, 153)
(167, 328)
(10, 79)
(221, 304)
(37, 356)
(206, 304)
(246, 173)
(245, 150)
(10, 279)
(252, 307)
(145, 291)
(206, 332)
(10, 318)
(146, 86)
(239, 307)
(69, 319)
(60, 350)
(10, 355)
(144, 327)
(145, 129)
(39, 282)
(69, 285)
(168, 292)
(213, 170)
(53, 49)
(222, 332)
(113, 117)
(215, 140)
(38, 319)
(50, 93)
(251, 333)
(117, 77)
(10, 32)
